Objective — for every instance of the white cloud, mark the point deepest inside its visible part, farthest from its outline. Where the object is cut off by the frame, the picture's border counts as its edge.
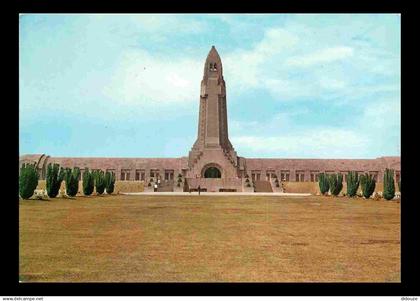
(315, 143)
(168, 23)
(383, 115)
(245, 68)
(295, 62)
(149, 80)
(326, 55)
(332, 84)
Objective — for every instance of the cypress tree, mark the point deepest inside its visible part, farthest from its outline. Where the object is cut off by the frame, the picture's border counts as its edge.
(28, 180)
(88, 182)
(367, 183)
(352, 183)
(109, 182)
(72, 181)
(389, 186)
(55, 176)
(99, 181)
(335, 183)
(323, 183)
(399, 185)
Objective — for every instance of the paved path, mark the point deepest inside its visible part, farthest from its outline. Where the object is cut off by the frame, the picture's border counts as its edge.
(219, 193)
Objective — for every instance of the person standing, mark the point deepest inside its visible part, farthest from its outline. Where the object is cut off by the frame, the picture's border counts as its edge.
(156, 187)
(199, 189)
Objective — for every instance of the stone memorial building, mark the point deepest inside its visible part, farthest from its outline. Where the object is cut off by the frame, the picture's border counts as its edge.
(212, 162)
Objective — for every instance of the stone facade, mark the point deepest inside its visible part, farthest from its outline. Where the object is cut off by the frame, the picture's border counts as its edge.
(212, 162)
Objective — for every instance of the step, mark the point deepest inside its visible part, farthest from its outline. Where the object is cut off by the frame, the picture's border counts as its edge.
(263, 186)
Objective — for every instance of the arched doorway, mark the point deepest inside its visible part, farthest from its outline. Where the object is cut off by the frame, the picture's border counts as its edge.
(212, 172)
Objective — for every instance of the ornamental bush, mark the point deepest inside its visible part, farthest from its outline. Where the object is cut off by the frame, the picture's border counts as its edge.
(71, 177)
(99, 181)
(109, 182)
(367, 183)
(389, 186)
(335, 182)
(55, 176)
(88, 182)
(323, 183)
(28, 180)
(352, 183)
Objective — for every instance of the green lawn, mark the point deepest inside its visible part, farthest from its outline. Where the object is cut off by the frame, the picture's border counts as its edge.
(209, 238)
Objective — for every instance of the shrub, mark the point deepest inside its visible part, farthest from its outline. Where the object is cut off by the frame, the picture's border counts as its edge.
(55, 176)
(72, 181)
(88, 182)
(247, 180)
(150, 184)
(352, 183)
(367, 183)
(335, 182)
(28, 180)
(179, 180)
(99, 181)
(109, 182)
(248, 185)
(323, 183)
(389, 186)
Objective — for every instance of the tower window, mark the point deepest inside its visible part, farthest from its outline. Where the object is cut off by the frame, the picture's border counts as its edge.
(213, 67)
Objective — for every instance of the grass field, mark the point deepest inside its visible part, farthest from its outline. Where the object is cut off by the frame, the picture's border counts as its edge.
(209, 238)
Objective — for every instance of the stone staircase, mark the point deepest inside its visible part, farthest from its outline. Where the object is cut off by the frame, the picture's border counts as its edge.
(166, 186)
(195, 156)
(275, 188)
(263, 186)
(230, 159)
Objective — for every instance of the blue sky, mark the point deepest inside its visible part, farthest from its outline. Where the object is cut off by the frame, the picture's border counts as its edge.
(298, 86)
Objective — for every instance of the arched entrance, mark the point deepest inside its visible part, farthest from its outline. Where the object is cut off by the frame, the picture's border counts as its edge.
(212, 172)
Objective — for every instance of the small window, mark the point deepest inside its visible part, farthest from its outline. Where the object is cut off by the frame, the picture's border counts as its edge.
(314, 175)
(300, 176)
(284, 175)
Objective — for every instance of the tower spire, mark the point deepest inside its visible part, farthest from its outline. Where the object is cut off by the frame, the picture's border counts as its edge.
(213, 65)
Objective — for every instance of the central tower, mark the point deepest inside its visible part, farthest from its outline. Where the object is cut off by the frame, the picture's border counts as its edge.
(212, 149)
(212, 121)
